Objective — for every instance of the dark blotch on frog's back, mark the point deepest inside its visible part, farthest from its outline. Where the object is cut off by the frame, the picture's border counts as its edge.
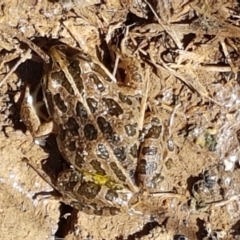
(97, 167)
(75, 72)
(131, 129)
(92, 104)
(60, 103)
(101, 151)
(81, 110)
(120, 153)
(72, 126)
(112, 107)
(89, 189)
(105, 126)
(117, 172)
(90, 132)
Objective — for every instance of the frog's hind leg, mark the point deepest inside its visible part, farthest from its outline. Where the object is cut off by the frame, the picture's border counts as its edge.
(150, 156)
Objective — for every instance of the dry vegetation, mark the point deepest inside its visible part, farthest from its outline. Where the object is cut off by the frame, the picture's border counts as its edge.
(190, 53)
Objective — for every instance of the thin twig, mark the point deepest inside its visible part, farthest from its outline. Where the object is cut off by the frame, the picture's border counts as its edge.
(26, 55)
(144, 99)
(33, 46)
(166, 28)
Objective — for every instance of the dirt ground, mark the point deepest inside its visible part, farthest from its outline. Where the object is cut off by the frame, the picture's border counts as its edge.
(191, 50)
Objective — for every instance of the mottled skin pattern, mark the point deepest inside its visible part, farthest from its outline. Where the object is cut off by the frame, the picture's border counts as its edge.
(99, 134)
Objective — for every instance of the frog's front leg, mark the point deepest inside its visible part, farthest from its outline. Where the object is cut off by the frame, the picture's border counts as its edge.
(30, 114)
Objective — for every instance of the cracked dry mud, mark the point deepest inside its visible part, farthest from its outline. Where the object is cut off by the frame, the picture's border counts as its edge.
(192, 50)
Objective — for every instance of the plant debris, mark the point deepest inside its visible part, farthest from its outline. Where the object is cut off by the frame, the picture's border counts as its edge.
(189, 52)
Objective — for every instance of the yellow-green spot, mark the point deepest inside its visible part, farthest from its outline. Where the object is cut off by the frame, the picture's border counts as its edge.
(102, 180)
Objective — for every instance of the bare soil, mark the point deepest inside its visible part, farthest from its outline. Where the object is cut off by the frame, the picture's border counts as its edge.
(192, 51)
